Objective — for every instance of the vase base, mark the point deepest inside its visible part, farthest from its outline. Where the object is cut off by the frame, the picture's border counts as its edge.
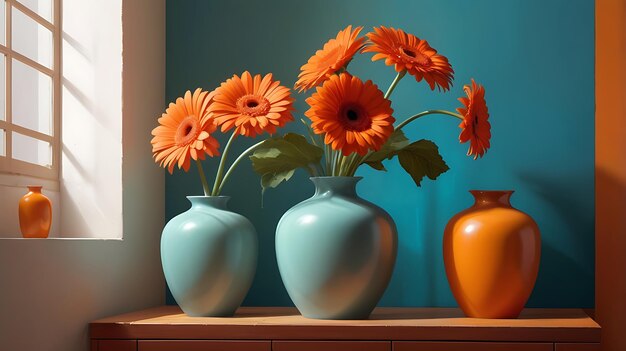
(492, 315)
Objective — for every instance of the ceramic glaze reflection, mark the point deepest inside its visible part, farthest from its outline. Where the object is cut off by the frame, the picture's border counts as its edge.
(209, 257)
(336, 251)
(491, 254)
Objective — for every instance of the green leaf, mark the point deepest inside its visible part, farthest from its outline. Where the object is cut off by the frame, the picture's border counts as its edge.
(422, 158)
(272, 180)
(277, 158)
(396, 142)
(316, 139)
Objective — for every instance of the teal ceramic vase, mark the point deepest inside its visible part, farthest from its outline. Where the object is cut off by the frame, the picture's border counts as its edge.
(336, 251)
(209, 257)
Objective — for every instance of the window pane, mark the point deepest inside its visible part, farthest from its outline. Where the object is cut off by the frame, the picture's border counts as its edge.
(3, 21)
(42, 7)
(3, 143)
(3, 86)
(32, 98)
(31, 39)
(31, 150)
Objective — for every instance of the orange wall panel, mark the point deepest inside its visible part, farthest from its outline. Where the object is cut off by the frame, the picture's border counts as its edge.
(611, 172)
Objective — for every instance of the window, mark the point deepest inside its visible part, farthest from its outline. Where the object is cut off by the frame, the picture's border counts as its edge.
(30, 94)
(78, 158)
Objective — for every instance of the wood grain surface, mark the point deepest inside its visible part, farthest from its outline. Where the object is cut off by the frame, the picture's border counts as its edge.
(577, 347)
(471, 346)
(117, 345)
(331, 346)
(416, 324)
(204, 345)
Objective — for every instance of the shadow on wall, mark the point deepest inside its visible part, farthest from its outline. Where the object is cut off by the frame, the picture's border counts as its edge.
(559, 272)
(419, 272)
(268, 286)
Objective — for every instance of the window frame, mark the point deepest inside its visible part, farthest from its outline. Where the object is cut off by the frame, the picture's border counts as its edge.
(9, 165)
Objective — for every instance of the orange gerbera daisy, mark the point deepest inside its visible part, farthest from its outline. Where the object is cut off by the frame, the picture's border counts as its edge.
(252, 105)
(184, 132)
(335, 54)
(475, 126)
(410, 53)
(354, 116)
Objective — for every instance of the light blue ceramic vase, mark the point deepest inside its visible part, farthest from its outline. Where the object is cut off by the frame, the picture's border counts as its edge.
(209, 257)
(336, 251)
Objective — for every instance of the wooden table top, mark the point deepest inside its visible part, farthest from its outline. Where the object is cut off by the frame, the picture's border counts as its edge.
(285, 323)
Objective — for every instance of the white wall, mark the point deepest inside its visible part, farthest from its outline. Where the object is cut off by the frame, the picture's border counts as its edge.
(51, 289)
(91, 148)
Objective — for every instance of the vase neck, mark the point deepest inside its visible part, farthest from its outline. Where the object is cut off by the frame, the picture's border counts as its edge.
(345, 186)
(35, 189)
(218, 202)
(492, 197)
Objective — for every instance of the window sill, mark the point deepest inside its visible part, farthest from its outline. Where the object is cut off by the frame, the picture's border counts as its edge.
(63, 239)
(22, 181)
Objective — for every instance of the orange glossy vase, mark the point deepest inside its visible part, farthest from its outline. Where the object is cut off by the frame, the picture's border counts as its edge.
(35, 212)
(491, 253)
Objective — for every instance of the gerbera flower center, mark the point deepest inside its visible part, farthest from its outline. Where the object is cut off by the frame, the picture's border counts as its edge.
(187, 131)
(416, 56)
(354, 118)
(352, 115)
(253, 105)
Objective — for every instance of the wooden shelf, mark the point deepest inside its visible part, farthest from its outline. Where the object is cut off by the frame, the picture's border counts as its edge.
(399, 329)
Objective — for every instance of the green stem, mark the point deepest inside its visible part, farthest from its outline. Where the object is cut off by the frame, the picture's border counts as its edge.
(363, 159)
(411, 119)
(234, 165)
(220, 169)
(356, 162)
(312, 170)
(347, 167)
(320, 169)
(331, 156)
(310, 132)
(336, 159)
(348, 164)
(425, 113)
(205, 185)
(340, 158)
(342, 161)
(327, 159)
(395, 82)
(237, 160)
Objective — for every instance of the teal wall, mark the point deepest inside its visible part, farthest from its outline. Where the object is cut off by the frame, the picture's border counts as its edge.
(536, 60)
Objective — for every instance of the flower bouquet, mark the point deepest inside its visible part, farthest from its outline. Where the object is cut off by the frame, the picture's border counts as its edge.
(350, 121)
(209, 254)
(336, 251)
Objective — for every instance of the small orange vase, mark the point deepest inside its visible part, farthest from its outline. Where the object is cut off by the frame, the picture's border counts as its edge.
(491, 253)
(35, 211)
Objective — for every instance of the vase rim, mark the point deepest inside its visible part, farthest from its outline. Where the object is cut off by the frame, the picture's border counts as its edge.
(336, 177)
(491, 197)
(477, 191)
(219, 201)
(34, 187)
